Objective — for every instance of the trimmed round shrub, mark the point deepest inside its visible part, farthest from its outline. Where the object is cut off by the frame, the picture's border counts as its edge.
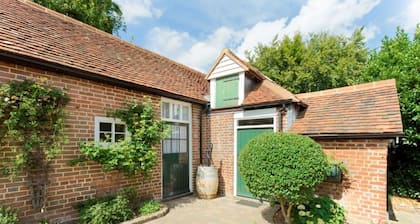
(283, 167)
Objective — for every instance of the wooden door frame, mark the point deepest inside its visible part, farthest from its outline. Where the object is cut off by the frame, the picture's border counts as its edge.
(250, 115)
(190, 141)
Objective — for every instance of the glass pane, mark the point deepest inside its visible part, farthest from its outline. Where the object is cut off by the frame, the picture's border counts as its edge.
(185, 113)
(119, 137)
(119, 128)
(166, 146)
(175, 132)
(263, 121)
(183, 132)
(175, 146)
(105, 126)
(105, 137)
(183, 146)
(176, 110)
(165, 110)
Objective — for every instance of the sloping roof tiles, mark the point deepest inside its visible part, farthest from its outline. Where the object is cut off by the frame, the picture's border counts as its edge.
(370, 108)
(27, 29)
(268, 91)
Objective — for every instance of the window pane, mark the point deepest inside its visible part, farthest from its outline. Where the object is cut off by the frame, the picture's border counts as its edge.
(119, 128)
(166, 146)
(263, 121)
(176, 110)
(165, 110)
(175, 132)
(105, 126)
(105, 137)
(175, 146)
(183, 132)
(183, 146)
(119, 137)
(185, 113)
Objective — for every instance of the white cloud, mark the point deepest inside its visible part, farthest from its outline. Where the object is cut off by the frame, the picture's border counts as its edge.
(135, 9)
(185, 49)
(411, 16)
(369, 32)
(334, 16)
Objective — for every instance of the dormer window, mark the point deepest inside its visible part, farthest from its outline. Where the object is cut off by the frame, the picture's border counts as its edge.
(227, 91)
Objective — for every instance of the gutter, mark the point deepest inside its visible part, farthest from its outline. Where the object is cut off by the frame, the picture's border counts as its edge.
(355, 135)
(267, 104)
(56, 67)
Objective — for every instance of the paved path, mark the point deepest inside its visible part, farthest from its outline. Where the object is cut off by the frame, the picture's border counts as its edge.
(218, 211)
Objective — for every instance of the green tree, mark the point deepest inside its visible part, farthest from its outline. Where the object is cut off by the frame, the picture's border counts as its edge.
(323, 61)
(105, 15)
(283, 167)
(399, 58)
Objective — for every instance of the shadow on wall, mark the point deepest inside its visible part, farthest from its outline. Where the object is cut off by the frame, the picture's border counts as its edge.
(333, 189)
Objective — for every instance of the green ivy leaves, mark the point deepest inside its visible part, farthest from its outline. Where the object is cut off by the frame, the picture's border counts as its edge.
(31, 117)
(135, 155)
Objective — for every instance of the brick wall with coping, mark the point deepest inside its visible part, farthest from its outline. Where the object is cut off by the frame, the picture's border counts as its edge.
(363, 192)
(72, 184)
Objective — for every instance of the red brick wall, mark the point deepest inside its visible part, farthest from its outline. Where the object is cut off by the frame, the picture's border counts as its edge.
(73, 184)
(221, 136)
(363, 192)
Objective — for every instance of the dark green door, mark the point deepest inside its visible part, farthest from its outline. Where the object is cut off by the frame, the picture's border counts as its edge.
(243, 136)
(176, 161)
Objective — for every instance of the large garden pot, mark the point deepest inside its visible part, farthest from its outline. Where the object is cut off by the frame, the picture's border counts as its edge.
(207, 182)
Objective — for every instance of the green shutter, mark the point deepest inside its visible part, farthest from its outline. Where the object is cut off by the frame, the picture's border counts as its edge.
(227, 91)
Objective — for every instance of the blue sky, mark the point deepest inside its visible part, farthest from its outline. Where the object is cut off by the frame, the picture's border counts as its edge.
(194, 32)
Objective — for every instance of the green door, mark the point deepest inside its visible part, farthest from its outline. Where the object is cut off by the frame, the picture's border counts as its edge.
(243, 136)
(176, 161)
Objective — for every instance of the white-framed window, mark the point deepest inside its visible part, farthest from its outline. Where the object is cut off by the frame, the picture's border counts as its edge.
(175, 111)
(110, 130)
(177, 114)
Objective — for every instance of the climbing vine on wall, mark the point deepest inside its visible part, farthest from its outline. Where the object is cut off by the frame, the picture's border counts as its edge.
(136, 154)
(31, 127)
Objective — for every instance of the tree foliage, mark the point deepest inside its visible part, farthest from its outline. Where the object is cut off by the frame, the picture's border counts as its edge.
(399, 58)
(105, 15)
(323, 61)
(283, 167)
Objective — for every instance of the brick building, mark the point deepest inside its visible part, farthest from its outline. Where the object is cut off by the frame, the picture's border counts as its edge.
(99, 72)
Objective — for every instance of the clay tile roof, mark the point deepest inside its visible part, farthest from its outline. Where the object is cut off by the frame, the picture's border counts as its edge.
(267, 91)
(370, 108)
(30, 30)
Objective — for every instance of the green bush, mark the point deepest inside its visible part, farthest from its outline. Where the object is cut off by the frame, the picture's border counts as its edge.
(149, 207)
(321, 210)
(8, 216)
(283, 167)
(404, 171)
(98, 211)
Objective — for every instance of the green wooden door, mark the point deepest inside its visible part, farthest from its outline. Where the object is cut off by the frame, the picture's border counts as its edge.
(176, 161)
(243, 136)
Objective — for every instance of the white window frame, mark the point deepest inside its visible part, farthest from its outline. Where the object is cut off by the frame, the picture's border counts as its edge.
(189, 122)
(171, 105)
(113, 121)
